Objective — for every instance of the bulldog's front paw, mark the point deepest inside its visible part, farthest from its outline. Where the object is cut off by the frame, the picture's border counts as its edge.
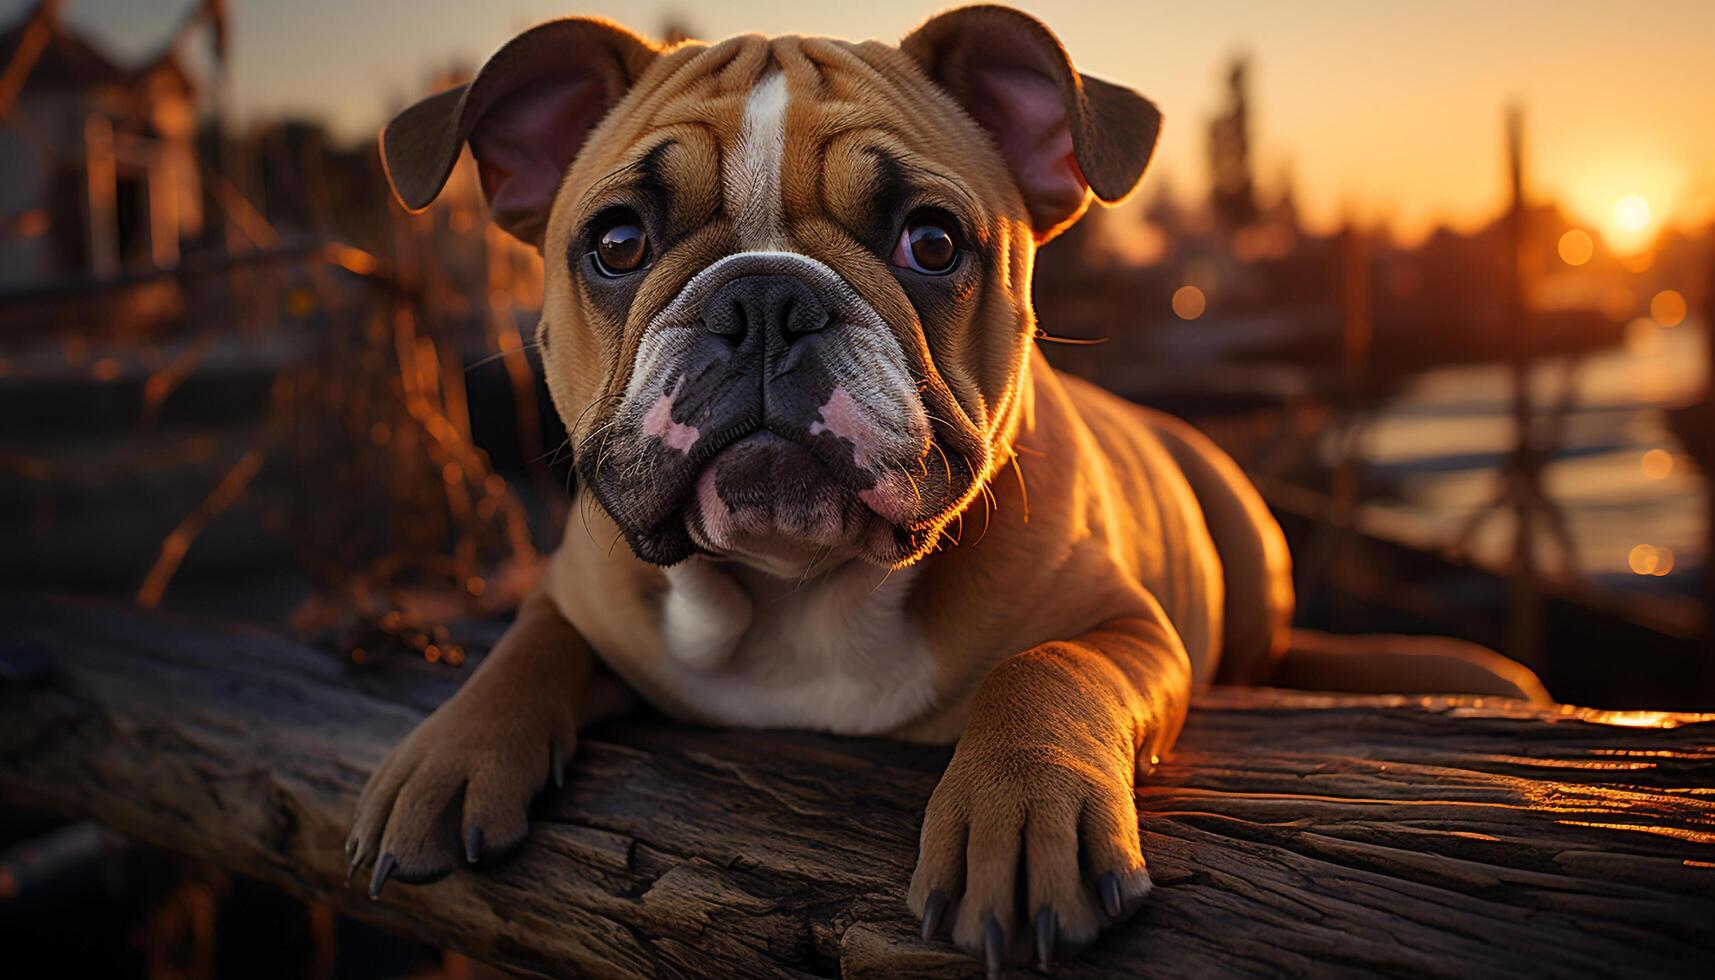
(1031, 850)
(457, 789)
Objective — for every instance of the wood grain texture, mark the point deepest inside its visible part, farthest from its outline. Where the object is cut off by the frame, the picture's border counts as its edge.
(1288, 833)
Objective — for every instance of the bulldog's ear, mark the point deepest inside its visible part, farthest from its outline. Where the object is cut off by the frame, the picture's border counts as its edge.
(526, 114)
(1064, 135)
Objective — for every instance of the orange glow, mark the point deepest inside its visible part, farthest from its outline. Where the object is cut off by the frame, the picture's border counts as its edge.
(1647, 559)
(1639, 719)
(353, 260)
(1668, 308)
(1657, 464)
(1576, 247)
(32, 223)
(1189, 302)
(1663, 561)
(1631, 227)
(1631, 213)
(1642, 560)
(105, 369)
(1638, 261)
(1643, 335)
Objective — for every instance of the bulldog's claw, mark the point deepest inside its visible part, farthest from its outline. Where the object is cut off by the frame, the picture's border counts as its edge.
(559, 764)
(1039, 854)
(994, 947)
(455, 793)
(383, 868)
(934, 908)
(1045, 928)
(1110, 889)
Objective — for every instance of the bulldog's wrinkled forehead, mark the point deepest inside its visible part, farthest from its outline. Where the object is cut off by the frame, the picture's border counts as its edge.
(768, 135)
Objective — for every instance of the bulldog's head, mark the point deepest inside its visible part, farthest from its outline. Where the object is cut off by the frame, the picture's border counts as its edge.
(787, 309)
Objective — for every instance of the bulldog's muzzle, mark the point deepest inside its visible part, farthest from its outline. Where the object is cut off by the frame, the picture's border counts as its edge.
(769, 406)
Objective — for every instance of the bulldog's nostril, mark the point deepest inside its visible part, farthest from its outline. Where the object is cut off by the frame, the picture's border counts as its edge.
(725, 318)
(773, 306)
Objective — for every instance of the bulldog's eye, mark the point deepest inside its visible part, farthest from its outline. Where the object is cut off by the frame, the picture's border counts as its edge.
(927, 244)
(621, 245)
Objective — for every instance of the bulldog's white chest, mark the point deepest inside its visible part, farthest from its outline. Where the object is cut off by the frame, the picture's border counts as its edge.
(838, 654)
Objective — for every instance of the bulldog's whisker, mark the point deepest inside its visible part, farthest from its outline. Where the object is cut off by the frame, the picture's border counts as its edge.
(815, 559)
(586, 507)
(599, 434)
(971, 468)
(884, 577)
(944, 461)
(497, 355)
(989, 497)
(988, 511)
(605, 450)
(579, 421)
(1074, 341)
(553, 456)
(586, 410)
(1023, 491)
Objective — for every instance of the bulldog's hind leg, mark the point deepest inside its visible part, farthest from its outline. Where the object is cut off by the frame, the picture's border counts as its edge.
(1389, 664)
(1030, 842)
(460, 785)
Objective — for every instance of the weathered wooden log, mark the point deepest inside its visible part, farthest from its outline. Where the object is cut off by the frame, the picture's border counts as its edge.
(1287, 834)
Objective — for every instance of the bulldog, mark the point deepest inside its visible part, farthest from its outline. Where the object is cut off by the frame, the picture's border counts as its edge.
(825, 479)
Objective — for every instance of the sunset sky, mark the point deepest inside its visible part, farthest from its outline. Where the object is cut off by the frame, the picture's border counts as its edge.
(1379, 109)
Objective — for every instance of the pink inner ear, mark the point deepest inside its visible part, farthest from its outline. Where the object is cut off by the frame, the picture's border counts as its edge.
(525, 142)
(1022, 109)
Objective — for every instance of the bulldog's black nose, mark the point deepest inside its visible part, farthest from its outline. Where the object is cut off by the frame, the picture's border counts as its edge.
(768, 308)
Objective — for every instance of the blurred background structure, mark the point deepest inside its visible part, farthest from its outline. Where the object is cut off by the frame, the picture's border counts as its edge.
(1455, 323)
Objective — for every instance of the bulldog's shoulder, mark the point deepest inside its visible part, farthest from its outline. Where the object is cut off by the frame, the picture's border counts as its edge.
(1087, 427)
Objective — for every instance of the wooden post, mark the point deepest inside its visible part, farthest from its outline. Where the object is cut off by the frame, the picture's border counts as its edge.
(163, 206)
(1524, 476)
(1702, 448)
(102, 183)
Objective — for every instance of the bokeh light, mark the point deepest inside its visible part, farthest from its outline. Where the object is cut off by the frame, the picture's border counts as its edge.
(1647, 559)
(1668, 308)
(1189, 302)
(1576, 247)
(1657, 464)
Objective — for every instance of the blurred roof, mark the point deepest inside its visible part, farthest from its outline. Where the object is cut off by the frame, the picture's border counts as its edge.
(40, 51)
(55, 56)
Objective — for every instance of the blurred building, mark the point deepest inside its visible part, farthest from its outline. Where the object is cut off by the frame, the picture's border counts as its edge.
(98, 160)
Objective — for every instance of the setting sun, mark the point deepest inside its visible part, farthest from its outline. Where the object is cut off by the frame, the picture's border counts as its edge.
(1632, 224)
(1631, 213)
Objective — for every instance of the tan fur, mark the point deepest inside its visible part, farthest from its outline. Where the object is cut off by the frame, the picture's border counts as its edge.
(1077, 564)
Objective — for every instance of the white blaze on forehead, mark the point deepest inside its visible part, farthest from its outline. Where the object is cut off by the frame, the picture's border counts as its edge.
(753, 172)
